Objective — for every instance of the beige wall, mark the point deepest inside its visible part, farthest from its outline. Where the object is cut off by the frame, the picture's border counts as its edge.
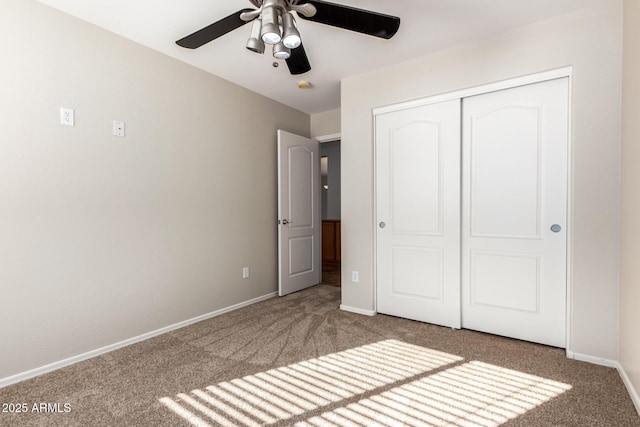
(325, 123)
(590, 41)
(103, 238)
(630, 236)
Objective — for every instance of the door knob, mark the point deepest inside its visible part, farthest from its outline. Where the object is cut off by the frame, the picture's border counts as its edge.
(556, 228)
(382, 224)
(286, 221)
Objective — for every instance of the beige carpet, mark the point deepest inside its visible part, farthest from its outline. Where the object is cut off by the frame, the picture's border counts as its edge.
(299, 360)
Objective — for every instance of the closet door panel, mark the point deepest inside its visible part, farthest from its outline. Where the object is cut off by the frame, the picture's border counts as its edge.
(514, 209)
(418, 213)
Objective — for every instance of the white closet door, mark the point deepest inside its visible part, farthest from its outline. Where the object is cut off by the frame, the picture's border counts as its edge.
(418, 213)
(514, 239)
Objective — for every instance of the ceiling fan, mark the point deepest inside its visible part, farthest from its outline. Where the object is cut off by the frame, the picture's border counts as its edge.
(274, 24)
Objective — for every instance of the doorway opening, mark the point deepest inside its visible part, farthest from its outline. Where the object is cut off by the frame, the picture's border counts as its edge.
(330, 201)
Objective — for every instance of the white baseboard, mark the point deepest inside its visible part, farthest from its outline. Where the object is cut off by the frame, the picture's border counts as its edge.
(635, 398)
(592, 359)
(357, 310)
(106, 349)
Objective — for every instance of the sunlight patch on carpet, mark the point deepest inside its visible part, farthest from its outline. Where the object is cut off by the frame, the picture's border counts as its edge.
(291, 391)
(474, 394)
(471, 394)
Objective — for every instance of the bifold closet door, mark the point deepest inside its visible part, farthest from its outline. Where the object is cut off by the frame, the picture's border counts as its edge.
(514, 209)
(418, 213)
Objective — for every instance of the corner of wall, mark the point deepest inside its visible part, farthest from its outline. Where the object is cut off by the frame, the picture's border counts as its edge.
(630, 204)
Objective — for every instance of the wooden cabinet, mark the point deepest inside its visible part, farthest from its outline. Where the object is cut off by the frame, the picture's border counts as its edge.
(331, 240)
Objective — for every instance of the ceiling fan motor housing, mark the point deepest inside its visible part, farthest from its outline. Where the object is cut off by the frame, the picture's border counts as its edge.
(280, 4)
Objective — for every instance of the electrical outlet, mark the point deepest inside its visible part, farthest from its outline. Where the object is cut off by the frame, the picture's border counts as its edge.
(118, 128)
(245, 272)
(66, 116)
(355, 277)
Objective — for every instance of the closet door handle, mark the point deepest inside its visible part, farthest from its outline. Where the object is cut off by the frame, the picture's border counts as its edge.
(382, 224)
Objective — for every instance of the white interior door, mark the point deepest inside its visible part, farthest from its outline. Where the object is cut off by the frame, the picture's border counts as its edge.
(514, 240)
(418, 213)
(299, 213)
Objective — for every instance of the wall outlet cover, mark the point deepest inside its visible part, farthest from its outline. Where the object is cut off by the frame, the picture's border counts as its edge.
(118, 128)
(67, 116)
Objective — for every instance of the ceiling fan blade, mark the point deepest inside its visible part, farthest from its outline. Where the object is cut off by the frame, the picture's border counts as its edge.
(213, 31)
(298, 62)
(358, 20)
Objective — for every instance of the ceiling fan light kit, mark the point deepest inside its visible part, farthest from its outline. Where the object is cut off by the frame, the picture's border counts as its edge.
(280, 51)
(274, 23)
(271, 25)
(290, 37)
(255, 43)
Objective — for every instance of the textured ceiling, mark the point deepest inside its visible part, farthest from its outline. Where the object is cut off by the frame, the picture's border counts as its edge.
(426, 26)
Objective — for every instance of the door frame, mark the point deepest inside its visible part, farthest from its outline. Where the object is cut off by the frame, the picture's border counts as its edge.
(480, 90)
(328, 138)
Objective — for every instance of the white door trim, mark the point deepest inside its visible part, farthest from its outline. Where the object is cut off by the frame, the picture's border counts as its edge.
(479, 90)
(328, 138)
